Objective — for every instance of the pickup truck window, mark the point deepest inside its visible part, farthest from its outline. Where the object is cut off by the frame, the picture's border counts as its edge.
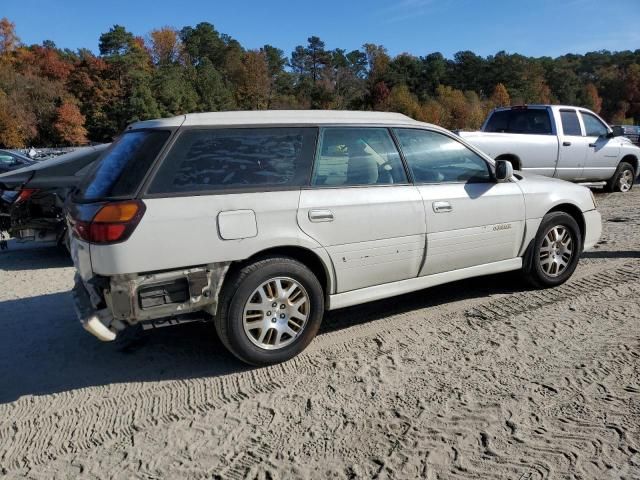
(593, 126)
(534, 121)
(214, 159)
(357, 156)
(570, 123)
(436, 158)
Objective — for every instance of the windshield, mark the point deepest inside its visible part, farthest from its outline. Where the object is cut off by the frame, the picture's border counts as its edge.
(124, 165)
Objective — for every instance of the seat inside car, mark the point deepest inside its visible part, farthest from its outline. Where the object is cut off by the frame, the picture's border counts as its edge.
(362, 168)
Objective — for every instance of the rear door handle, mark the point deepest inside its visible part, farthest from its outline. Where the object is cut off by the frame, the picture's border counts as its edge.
(442, 207)
(566, 144)
(594, 145)
(321, 216)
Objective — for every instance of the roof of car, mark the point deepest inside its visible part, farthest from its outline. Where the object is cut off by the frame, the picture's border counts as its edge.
(278, 117)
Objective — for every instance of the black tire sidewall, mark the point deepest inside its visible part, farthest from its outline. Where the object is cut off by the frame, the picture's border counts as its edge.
(615, 185)
(549, 221)
(235, 337)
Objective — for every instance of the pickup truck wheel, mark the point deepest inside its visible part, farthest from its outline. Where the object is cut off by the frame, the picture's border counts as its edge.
(270, 311)
(623, 179)
(554, 253)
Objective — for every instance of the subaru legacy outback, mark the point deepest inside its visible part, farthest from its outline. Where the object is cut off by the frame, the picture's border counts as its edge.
(261, 221)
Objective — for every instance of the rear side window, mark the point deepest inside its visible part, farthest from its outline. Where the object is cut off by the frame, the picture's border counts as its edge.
(357, 156)
(534, 121)
(124, 165)
(570, 123)
(236, 158)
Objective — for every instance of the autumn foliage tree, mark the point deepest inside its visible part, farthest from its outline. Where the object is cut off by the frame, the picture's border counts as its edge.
(69, 124)
(50, 96)
(500, 96)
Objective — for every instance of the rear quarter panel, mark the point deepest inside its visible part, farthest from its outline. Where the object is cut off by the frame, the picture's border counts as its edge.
(184, 231)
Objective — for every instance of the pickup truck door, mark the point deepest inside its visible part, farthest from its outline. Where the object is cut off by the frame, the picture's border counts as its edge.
(471, 219)
(573, 147)
(362, 209)
(602, 152)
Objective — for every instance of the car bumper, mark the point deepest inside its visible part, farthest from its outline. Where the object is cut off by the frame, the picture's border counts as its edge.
(593, 228)
(95, 321)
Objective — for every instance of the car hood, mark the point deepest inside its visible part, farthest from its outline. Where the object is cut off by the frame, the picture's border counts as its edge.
(63, 171)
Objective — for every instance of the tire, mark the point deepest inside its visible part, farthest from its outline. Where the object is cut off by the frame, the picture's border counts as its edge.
(623, 179)
(264, 336)
(542, 269)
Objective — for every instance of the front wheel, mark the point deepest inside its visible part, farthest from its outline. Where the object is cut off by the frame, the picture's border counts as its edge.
(554, 253)
(270, 310)
(623, 179)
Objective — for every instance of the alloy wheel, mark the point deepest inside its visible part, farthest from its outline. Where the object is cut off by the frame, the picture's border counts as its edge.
(626, 180)
(276, 313)
(556, 251)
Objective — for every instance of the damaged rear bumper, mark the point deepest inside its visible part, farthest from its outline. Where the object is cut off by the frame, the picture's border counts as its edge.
(161, 296)
(95, 321)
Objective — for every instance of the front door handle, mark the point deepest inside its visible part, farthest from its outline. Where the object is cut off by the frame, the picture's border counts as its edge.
(442, 207)
(566, 144)
(594, 145)
(321, 216)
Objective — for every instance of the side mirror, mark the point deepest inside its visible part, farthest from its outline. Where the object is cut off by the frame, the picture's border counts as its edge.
(504, 170)
(616, 131)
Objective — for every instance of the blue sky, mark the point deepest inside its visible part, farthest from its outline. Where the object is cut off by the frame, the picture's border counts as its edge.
(533, 27)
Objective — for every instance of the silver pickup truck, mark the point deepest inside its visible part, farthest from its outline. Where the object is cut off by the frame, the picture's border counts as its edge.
(566, 142)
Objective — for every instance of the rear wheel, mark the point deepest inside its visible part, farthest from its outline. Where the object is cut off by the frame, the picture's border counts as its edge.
(554, 253)
(623, 179)
(270, 310)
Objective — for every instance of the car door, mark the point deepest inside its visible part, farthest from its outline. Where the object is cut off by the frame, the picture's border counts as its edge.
(471, 219)
(362, 209)
(572, 152)
(602, 152)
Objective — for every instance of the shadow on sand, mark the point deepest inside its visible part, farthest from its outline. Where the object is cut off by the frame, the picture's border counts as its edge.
(44, 350)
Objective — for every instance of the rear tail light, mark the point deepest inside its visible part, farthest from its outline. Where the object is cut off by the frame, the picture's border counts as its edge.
(113, 223)
(24, 195)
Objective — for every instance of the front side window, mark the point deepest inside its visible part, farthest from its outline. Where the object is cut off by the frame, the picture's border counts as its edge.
(236, 158)
(593, 126)
(357, 156)
(533, 121)
(437, 158)
(570, 123)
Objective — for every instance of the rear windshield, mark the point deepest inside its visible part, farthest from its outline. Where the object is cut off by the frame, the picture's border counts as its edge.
(530, 120)
(124, 165)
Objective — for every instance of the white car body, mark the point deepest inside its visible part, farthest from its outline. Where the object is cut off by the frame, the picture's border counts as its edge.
(578, 156)
(364, 242)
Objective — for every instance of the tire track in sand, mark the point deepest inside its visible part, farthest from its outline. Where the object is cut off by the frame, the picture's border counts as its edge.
(30, 439)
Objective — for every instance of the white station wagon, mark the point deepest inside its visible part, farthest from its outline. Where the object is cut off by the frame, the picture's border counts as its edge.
(261, 221)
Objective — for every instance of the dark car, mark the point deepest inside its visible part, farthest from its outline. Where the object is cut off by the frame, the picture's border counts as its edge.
(12, 161)
(34, 196)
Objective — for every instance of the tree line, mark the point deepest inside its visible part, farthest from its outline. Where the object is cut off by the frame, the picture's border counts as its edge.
(53, 96)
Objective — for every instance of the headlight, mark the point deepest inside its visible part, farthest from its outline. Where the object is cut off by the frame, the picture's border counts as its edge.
(593, 199)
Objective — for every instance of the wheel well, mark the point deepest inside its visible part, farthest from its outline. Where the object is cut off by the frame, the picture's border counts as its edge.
(301, 254)
(575, 212)
(509, 157)
(633, 161)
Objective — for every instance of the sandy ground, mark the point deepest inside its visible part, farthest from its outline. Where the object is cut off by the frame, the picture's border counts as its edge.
(478, 379)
